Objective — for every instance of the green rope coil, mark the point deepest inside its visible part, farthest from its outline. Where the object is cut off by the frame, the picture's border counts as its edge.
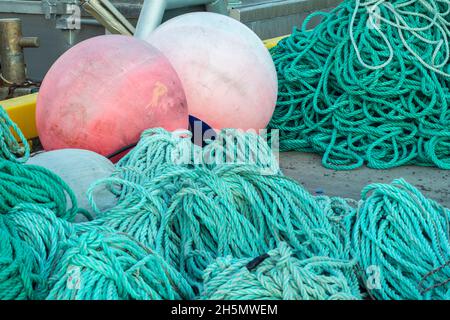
(402, 238)
(113, 266)
(368, 85)
(39, 253)
(31, 184)
(279, 275)
(34, 184)
(30, 237)
(193, 214)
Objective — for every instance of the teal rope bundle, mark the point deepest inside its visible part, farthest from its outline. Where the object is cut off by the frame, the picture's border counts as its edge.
(10, 148)
(279, 275)
(368, 85)
(194, 214)
(402, 238)
(113, 266)
(30, 237)
(34, 184)
(39, 253)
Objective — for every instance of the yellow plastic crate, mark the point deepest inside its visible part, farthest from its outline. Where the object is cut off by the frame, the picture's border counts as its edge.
(22, 110)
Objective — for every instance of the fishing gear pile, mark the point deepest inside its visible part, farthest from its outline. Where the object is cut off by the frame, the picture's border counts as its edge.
(368, 85)
(199, 223)
(193, 214)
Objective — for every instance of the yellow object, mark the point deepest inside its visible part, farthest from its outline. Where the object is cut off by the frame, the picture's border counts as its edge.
(270, 43)
(22, 111)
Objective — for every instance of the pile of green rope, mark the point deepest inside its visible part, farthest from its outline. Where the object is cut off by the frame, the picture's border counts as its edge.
(50, 258)
(368, 85)
(195, 214)
(405, 237)
(186, 230)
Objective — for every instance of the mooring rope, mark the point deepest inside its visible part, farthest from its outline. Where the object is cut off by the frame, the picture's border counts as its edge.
(368, 85)
(192, 214)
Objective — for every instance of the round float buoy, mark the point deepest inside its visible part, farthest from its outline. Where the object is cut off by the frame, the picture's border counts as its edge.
(227, 73)
(80, 169)
(102, 93)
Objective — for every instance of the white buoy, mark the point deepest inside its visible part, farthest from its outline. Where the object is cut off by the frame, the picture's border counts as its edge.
(79, 169)
(227, 73)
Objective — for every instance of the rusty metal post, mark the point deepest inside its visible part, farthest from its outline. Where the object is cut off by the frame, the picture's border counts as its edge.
(13, 70)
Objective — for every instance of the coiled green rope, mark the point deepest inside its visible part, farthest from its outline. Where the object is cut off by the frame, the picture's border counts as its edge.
(30, 237)
(405, 239)
(34, 184)
(279, 275)
(42, 255)
(368, 85)
(113, 266)
(193, 214)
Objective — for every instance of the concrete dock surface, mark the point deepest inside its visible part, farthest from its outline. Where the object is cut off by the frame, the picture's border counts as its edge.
(307, 169)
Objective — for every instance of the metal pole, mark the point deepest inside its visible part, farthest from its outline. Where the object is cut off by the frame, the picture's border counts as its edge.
(153, 10)
(11, 51)
(104, 12)
(151, 16)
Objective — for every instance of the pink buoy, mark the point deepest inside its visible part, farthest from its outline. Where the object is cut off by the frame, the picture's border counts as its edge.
(227, 73)
(102, 93)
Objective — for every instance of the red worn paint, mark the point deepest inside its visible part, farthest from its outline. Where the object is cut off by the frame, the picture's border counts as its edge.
(102, 93)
